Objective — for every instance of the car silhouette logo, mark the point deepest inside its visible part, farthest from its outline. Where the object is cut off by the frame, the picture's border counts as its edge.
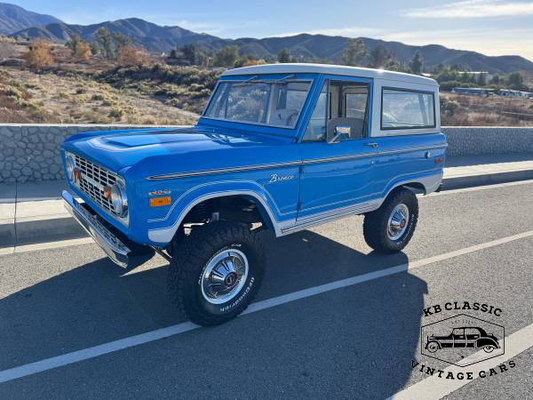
(462, 340)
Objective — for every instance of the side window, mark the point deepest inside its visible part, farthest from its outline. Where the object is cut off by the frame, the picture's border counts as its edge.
(407, 110)
(316, 129)
(341, 104)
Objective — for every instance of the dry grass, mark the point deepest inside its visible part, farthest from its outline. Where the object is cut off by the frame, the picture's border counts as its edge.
(461, 110)
(51, 98)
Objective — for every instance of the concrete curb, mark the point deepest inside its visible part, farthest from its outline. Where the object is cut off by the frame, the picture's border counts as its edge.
(32, 230)
(461, 182)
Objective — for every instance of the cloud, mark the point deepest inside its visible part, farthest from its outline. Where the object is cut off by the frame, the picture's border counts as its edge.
(473, 9)
(349, 32)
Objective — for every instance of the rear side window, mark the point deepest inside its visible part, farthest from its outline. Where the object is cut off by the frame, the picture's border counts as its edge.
(404, 109)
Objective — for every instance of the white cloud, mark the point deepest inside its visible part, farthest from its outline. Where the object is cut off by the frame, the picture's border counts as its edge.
(473, 9)
(349, 32)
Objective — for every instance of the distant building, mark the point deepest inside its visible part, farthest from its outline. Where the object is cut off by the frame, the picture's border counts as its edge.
(474, 91)
(515, 93)
(483, 75)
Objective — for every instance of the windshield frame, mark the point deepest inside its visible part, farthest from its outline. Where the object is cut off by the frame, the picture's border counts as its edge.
(269, 79)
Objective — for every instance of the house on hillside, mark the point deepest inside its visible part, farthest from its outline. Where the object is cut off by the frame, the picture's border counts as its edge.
(481, 77)
(515, 93)
(474, 91)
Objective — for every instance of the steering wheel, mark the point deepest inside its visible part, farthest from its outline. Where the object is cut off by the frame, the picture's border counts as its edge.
(290, 117)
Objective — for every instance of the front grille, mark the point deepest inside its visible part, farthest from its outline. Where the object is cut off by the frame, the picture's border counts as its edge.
(93, 179)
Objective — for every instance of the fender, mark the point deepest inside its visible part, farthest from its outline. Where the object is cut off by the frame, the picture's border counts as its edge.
(486, 341)
(179, 210)
(429, 180)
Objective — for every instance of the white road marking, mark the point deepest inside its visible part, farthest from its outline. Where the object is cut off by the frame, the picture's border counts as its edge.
(121, 344)
(478, 188)
(434, 387)
(45, 246)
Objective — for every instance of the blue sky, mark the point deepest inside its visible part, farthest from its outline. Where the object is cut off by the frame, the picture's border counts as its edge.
(492, 27)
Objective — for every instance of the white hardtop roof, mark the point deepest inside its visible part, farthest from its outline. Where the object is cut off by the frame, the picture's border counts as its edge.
(303, 68)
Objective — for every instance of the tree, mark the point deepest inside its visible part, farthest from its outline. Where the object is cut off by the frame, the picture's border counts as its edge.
(481, 79)
(380, 57)
(39, 54)
(78, 47)
(227, 56)
(516, 81)
(355, 53)
(189, 52)
(73, 42)
(417, 63)
(495, 80)
(131, 56)
(284, 56)
(120, 41)
(173, 54)
(83, 51)
(103, 38)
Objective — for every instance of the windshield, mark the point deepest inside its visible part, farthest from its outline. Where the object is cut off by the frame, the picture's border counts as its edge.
(276, 103)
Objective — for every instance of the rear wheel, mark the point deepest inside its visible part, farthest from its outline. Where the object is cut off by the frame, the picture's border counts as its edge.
(216, 272)
(390, 228)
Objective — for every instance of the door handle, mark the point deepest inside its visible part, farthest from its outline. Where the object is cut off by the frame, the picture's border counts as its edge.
(372, 144)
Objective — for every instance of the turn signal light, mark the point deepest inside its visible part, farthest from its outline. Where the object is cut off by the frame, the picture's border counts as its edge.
(159, 201)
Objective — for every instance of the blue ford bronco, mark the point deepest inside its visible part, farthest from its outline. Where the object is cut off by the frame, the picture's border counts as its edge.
(280, 147)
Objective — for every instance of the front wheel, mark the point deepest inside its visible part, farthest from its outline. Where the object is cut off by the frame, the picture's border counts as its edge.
(216, 272)
(390, 228)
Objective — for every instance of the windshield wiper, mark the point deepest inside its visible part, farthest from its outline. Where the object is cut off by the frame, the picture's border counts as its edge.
(281, 80)
(253, 79)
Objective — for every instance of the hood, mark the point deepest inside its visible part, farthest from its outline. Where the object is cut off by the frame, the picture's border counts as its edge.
(162, 151)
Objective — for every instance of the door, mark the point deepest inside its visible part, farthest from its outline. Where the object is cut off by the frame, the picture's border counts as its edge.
(459, 338)
(337, 177)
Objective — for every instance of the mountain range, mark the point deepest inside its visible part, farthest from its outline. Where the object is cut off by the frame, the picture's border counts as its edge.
(14, 18)
(159, 39)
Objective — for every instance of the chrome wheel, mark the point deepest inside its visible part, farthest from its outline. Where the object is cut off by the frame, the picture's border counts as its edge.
(224, 276)
(398, 222)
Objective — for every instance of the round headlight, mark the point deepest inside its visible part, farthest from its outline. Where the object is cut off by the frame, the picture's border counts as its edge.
(119, 199)
(70, 165)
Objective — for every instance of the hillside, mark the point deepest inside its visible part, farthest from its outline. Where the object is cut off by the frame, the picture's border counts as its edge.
(304, 47)
(14, 18)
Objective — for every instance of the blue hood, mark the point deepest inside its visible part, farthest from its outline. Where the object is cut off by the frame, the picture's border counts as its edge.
(162, 151)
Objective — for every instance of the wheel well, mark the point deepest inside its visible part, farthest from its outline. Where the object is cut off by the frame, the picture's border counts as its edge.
(415, 187)
(239, 208)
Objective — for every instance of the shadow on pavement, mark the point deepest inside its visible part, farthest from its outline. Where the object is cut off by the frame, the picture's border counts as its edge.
(357, 340)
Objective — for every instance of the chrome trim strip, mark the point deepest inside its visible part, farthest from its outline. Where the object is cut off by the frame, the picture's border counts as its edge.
(288, 164)
(115, 249)
(222, 171)
(410, 149)
(339, 158)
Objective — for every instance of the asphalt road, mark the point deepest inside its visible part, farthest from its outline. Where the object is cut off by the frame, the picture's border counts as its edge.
(354, 341)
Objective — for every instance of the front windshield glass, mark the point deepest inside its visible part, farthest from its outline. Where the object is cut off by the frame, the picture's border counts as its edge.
(276, 103)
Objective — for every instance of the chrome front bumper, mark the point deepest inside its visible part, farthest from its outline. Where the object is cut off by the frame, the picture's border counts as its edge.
(109, 242)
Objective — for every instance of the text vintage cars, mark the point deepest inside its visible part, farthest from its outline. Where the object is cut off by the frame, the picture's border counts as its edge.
(280, 147)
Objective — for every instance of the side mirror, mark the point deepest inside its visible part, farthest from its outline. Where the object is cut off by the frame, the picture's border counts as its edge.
(335, 134)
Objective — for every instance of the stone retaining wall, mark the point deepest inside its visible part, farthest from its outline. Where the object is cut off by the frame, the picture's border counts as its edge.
(474, 141)
(30, 153)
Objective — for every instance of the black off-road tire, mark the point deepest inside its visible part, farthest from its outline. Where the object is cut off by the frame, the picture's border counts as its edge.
(376, 222)
(191, 256)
